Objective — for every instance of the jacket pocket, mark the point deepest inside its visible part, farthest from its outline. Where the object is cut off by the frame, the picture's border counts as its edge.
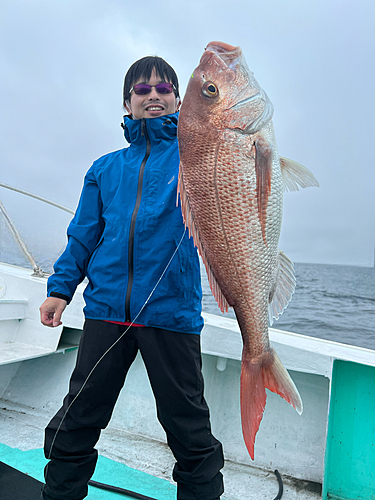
(186, 271)
(93, 255)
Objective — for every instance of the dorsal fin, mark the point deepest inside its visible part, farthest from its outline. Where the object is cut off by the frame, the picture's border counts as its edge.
(283, 288)
(296, 175)
(189, 222)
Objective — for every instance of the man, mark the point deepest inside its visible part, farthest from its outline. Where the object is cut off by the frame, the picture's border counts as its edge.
(144, 293)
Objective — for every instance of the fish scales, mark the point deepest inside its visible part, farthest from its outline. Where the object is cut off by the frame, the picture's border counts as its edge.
(226, 204)
(231, 186)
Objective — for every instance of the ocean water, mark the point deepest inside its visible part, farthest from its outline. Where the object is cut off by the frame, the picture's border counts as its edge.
(330, 302)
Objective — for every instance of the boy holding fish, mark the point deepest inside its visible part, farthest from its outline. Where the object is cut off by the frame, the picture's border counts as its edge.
(143, 293)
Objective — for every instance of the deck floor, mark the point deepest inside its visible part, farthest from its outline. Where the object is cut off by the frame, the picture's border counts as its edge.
(134, 462)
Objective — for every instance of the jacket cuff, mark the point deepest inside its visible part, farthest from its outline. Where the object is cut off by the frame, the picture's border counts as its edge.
(60, 296)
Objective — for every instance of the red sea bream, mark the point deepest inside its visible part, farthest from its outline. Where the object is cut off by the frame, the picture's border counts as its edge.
(231, 188)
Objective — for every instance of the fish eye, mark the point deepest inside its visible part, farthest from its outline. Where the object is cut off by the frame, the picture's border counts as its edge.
(210, 90)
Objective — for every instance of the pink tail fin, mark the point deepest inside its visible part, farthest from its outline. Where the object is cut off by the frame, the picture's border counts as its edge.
(267, 373)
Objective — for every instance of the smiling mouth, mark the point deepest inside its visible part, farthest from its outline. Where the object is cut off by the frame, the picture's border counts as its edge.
(154, 108)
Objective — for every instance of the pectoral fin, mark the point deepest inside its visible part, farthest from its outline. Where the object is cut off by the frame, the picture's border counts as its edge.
(296, 175)
(263, 169)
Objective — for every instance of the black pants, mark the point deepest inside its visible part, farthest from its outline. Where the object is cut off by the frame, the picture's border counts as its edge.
(173, 363)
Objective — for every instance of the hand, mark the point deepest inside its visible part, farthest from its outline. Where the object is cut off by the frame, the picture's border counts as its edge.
(51, 311)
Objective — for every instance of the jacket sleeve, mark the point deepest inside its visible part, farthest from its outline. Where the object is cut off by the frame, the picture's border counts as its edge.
(83, 232)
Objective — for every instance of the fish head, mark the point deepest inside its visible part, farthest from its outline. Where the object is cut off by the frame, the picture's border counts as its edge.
(225, 92)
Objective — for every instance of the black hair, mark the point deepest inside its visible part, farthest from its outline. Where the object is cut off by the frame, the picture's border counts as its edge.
(143, 69)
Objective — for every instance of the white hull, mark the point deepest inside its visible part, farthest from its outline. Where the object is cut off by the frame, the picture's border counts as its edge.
(36, 362)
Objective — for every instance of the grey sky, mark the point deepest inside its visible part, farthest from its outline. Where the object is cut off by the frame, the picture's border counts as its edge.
(63, 63)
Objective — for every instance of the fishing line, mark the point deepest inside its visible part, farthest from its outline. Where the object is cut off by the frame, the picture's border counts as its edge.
(113, 345)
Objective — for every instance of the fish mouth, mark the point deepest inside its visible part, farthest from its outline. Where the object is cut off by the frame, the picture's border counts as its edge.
(229, 54)
(221, 47)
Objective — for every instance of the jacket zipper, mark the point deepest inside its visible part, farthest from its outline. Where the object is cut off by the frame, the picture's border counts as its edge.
(144, 133)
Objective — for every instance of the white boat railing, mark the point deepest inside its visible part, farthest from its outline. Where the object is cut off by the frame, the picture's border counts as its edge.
(37, 197)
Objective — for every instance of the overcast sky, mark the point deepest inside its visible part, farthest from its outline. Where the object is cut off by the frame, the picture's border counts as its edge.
(62, 66)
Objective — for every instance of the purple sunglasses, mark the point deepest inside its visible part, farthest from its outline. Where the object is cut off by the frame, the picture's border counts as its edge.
(145, 88)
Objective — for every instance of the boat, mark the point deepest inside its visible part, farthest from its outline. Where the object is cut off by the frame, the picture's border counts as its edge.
(326, 453)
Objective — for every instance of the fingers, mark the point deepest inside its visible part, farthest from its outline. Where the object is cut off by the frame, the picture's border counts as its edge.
(51, 311)
(46, 318)
(57, 319)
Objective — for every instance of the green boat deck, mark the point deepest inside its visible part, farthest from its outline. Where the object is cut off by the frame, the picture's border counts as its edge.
(108, 471)
(241, 482)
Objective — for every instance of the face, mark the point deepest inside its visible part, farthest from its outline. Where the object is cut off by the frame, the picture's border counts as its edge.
(153, 104)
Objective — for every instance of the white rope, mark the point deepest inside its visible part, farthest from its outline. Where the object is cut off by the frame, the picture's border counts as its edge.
(113, 345)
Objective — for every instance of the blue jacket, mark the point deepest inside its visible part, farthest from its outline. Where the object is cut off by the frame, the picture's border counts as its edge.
(125, 231)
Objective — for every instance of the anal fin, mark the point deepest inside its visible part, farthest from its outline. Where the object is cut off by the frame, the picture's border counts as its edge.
(283, 288)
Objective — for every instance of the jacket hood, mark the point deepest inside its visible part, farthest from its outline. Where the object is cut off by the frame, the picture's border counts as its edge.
(159, 129)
